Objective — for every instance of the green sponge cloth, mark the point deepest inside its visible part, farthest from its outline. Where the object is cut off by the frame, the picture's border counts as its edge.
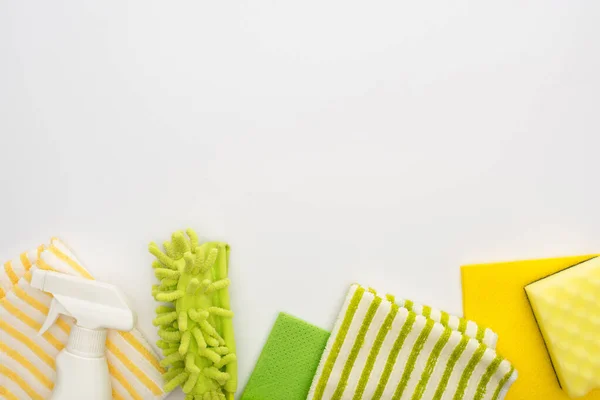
(288, 362)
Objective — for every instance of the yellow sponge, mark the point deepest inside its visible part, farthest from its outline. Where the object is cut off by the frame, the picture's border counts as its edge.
(494, 296)
(567, 310)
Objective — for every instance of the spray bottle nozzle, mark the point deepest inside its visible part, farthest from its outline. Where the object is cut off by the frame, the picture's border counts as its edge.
(93, 304)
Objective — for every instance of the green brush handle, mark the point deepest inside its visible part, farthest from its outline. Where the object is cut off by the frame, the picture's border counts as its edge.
(227, 324)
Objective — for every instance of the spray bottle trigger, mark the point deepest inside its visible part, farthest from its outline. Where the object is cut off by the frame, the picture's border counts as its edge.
(55, 310)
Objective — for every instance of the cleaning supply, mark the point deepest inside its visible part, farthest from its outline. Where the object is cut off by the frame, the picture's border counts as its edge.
(494, 295)
(462, 325)
(288, 361)
(566, 306)
(293, 350)
(196, 326)
(28, 361)
(379, 350)
(82, 369)
(13, 270)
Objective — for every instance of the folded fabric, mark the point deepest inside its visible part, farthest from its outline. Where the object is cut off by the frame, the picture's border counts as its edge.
(462, 325)
(13, 270)
(27, 367)
(494, 294)
(379, 350)
(288, 361)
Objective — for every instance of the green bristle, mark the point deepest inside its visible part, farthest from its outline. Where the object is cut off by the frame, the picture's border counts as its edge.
(166, 289)
(221, 312)
(171, 358)
(162, 257)
(169, 249)
(161, 344)
(185, 342)
(180, 244)
(211, 355)
(193, 286)
(178, 380)
(190, 363)
(168, 282)
(161, 273)
(191, 382)
(164, 309)
(196, 315)
(205, 284)
(225, 360)
(210, 396)
(172, 373)
(183, 321)
(193, 238)
(165, 318)
(169, 336)
(210, 260)
(189, 263)
(209, 330)
(211, 341)
(169, 296)
(218, 285)
(213, 373)
(169, 351)
(198, 261)
(197, 333)
(221, 350)
(167, 345)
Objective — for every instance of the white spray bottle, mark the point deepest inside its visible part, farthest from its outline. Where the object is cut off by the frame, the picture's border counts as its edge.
(81, 368)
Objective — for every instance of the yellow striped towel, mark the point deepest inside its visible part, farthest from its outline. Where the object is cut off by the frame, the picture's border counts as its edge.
(27, 368)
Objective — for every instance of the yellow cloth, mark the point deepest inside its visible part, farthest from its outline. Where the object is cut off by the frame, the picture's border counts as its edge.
(494, 296)
(27, 367)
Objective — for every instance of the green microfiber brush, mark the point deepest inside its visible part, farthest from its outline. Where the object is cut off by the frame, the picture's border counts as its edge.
(195, 325)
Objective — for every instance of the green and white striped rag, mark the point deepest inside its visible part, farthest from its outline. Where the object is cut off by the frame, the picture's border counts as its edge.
(382, 350)
(462, 325)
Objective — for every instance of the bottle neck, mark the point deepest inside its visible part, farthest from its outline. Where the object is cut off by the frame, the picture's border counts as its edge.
(85, 342)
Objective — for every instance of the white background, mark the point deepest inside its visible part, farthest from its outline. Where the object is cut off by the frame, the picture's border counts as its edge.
(385, 143)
